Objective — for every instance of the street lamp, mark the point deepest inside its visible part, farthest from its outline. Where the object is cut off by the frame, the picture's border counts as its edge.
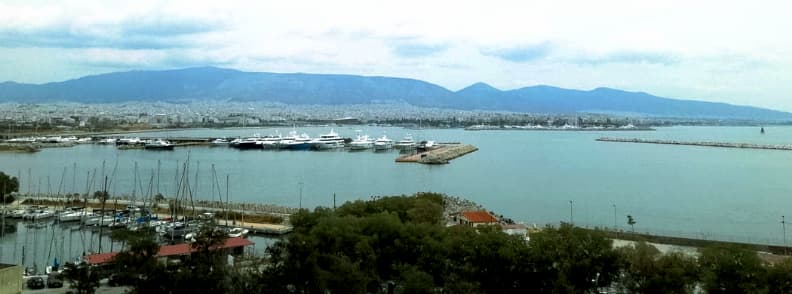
(615, 226)
(571, 221)
(301, 188)
(783, 227)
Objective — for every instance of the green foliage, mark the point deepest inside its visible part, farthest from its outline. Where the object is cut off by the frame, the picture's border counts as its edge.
(568, 259)
(82, 277)
(646, 270)
(779, 277)
(8, 184)
(731, 269)
(101, 195)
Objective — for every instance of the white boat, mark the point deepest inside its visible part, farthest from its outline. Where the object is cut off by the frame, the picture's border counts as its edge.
(383, 143)
(327, 141)
(405, 143)
(238, 232)
(70, 215)
(39, 214)
(108, 141)
(158, 144)
(18, 213)
(85, 140)
(253, 142)
(271, 141)
(129, 141)
(97, 220)
(361, 143)
(220, 142)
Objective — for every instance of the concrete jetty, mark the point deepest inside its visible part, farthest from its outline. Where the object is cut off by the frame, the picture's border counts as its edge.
(787, 147)
(439, 155)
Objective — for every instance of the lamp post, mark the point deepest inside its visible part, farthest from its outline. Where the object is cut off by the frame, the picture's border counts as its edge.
(301, 188)
(783, 228)
(615, 226)
(571, 220)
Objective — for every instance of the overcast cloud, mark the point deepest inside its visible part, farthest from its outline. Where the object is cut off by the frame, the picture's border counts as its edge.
(709, 50)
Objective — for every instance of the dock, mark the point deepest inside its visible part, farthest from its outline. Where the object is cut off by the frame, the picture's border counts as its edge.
(786, 147)
(440, 155)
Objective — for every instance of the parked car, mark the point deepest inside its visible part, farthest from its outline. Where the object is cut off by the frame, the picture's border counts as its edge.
(119, 279)
(54, 280)
(35, 283)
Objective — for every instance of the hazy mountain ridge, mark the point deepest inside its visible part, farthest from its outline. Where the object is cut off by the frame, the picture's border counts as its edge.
(210, 83)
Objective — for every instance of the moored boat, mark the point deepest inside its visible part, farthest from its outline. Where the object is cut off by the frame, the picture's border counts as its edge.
(362, 142)
(327, 141)
(383, 143)
(158, 144)
(405, 143)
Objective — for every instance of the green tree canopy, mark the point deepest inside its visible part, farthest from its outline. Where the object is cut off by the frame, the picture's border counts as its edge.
(8, 184)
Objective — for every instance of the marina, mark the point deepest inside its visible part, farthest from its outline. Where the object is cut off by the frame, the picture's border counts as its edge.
(538, 174)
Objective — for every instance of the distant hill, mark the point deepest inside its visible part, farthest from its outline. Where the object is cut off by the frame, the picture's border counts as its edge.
(210, 83)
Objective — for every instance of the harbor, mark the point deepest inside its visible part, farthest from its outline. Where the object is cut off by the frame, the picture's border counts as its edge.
(427, 151)
(785, 147)
(524, 162)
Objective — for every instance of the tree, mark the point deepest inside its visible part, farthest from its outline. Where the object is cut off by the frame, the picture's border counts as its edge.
(779, 277)
(568, 259)
(731, 269)
(82, 277)
(631, 221)
(139, 263)
(646, 270)
(8, 185)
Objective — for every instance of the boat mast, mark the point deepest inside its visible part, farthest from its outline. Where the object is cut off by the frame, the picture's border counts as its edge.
(226, 216)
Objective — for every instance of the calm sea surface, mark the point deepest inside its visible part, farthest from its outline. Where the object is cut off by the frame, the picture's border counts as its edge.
(530, 176)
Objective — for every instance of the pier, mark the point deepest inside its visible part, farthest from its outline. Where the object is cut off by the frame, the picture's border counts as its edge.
(786, 147)
(439, 155)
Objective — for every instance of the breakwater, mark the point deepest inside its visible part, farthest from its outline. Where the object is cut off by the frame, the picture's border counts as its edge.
(439, 155)
(787, 147)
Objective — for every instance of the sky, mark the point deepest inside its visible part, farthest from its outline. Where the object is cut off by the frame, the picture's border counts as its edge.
(737, 52)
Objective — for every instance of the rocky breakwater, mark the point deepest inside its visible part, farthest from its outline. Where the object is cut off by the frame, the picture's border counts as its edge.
(703, 143)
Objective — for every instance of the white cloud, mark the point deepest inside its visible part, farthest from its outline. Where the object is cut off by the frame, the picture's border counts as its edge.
(737, 52)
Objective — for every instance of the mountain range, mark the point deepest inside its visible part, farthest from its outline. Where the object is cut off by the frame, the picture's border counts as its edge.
(211, 83)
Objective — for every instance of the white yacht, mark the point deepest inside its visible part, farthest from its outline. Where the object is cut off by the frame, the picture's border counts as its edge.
(361, 143)
(405, 143)
(219, 142)
(383, 143)
(158, 144)
(327, 141)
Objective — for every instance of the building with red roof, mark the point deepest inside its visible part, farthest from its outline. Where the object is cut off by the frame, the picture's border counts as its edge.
(477, 218)
(233, 245)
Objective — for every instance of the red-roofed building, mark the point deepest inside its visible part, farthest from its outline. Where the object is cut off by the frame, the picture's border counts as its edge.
(477, 218)
(233, 245)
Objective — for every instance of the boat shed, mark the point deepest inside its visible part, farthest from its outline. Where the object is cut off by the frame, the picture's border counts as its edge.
(235, 245)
